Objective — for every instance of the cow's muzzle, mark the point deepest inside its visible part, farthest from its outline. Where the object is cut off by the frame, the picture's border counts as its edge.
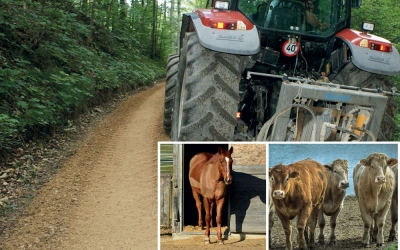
(278, 194)
(380, 179)
(344, 184)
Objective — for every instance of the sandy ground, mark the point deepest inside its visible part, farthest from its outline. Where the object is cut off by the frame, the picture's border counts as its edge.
(196, 242)
(349, 230)
(105, 196)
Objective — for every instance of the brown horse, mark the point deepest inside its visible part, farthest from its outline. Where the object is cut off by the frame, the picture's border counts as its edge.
(209, 176)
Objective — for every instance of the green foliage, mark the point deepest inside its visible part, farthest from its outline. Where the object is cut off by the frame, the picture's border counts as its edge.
(56, 59)
(393, 246)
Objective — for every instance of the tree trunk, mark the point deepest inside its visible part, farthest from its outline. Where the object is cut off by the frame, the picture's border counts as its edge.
(109, 12)
(172, 24)
(153, 31)
(90, 36)
(123, 11)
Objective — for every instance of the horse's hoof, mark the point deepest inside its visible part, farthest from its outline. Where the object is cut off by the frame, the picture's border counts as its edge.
(379, 244)
(206, 240)
(332, 242)
(220, 242)
(365, 245)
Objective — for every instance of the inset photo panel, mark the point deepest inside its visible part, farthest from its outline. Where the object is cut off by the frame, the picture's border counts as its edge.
(211, 195)
(333, 196)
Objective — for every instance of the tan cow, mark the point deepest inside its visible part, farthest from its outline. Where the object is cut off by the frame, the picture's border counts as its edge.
(374, 184)
(298, 190)
(334, 196)
(394, 206)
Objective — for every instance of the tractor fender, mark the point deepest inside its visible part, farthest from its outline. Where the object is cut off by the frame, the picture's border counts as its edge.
(364, 58)
(240, 42)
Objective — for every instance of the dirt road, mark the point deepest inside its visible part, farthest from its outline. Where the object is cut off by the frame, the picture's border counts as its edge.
(105, 196)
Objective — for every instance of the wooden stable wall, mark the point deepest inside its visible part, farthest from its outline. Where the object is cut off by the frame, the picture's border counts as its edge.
(248, 199)
(165, 200)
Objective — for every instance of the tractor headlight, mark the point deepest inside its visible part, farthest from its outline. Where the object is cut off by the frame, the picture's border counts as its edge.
(367, 26)
(221, 5)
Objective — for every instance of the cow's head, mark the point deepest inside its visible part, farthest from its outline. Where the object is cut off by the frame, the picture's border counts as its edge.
(280, 180)
(338, 173)
(377, 163)
(225, 164)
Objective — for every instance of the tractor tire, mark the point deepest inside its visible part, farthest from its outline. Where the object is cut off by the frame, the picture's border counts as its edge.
(353, 76)
(209, 93)
(172, 77)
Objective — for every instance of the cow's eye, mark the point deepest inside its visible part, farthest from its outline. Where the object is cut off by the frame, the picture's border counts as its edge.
(334, 171)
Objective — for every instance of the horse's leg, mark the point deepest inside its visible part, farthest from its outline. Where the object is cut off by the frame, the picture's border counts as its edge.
(220, 204)
(197, 198)
(211, 213)
(207, 206)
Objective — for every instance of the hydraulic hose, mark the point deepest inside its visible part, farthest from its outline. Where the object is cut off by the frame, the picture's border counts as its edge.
(262, 135)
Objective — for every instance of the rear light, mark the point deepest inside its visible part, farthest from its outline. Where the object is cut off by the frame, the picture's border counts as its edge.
(223, 25)
(381, 47)
(238, 115)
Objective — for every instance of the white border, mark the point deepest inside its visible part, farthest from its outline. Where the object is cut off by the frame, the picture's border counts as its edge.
(266, 143)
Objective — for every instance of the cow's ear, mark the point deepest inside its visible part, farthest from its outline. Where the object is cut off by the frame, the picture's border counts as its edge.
(392, 162)
(293, 174)
(329, 166)
(365, 162)
(231, 150)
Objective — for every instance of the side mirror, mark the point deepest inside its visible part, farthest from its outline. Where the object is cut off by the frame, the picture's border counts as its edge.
(355, 3)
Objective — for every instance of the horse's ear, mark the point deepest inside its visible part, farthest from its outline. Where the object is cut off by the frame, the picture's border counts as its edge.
(231, 150)
(220, 150)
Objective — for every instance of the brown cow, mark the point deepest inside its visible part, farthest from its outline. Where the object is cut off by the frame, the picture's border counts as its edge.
(334, 196)
(394, 206)
(374, 184)
(298, 190)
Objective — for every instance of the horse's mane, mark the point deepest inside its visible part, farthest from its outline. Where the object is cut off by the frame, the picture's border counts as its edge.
(213, 159)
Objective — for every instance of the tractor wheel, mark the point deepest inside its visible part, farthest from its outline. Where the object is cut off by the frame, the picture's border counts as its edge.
(172, 77)
(209, 93)
(353, 76)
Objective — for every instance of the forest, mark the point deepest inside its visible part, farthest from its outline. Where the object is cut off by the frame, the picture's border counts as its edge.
(59, 58)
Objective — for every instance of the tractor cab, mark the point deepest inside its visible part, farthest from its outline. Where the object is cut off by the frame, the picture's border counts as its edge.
(301, 17)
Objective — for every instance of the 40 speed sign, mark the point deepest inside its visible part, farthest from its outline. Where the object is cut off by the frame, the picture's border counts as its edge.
(290, 49)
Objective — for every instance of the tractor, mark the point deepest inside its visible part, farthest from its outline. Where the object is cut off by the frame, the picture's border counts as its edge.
(280, 70)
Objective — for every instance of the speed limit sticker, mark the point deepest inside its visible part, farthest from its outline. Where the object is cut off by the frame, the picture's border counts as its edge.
(290, 49)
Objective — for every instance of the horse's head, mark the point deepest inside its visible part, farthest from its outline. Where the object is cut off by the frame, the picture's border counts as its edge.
(225, 164)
